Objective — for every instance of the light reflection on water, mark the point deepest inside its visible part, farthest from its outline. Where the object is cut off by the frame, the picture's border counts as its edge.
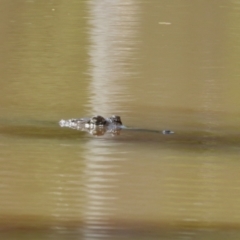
(100, 180)
(112, 45)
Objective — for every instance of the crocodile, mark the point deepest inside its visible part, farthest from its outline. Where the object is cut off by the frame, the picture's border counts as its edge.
(98, 125)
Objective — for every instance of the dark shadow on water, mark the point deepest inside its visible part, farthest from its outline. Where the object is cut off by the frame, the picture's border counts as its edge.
(118, 233)
(180, 139)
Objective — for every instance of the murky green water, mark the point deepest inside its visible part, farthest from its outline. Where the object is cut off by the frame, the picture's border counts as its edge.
(158, 65)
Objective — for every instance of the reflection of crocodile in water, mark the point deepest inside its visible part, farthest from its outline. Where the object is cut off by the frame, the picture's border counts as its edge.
(98, 125)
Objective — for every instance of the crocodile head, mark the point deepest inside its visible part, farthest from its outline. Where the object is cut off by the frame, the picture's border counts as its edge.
(96, 125)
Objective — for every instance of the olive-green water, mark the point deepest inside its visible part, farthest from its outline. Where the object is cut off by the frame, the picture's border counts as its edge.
(159, 65)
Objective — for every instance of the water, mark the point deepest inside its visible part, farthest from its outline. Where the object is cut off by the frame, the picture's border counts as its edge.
(158, 65)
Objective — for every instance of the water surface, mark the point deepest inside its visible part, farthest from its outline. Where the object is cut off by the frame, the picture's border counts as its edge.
(158, 65)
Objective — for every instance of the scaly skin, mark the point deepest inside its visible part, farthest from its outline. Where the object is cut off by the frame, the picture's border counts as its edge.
(98, 125)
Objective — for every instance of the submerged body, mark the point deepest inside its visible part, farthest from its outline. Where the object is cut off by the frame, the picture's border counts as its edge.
(98, 125)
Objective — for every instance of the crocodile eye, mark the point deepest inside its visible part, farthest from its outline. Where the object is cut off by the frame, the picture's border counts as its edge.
(98, 120)
(118, 119)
